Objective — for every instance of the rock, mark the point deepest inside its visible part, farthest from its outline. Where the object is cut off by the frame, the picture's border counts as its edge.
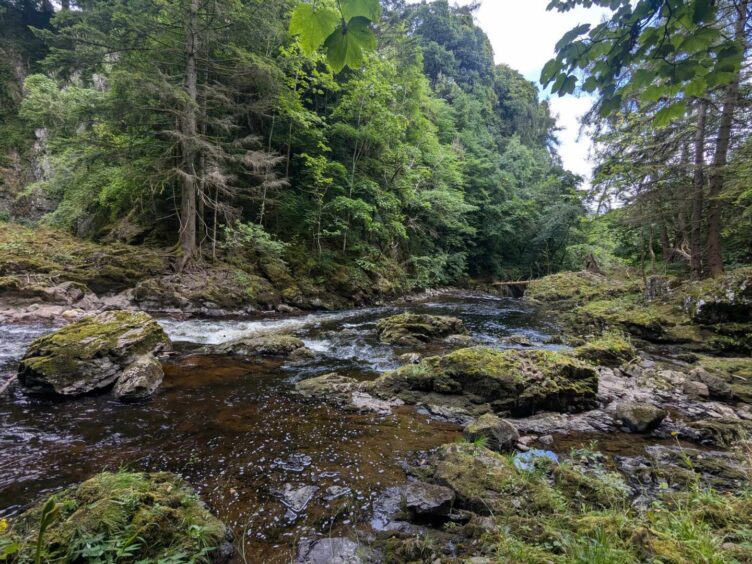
(91, 354)
(610, 349)
(412, 329)
(336, 550)
(518, 341)
(296, 499)
(479, 380)
(160, 508)
(411, 502)
(276, 345)
(327, 385)
(499, 435)
(573, 287)
(720, 432)
(657, 287)
(639, 417)
(546, 440)
(140, 379)
(696, 390)
(718, 388)
(722, 300)
(460, 340)
(409, 358)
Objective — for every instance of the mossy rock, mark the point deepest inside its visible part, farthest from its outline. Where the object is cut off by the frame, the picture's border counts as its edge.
(610, 349)
(514, 382)
(737, 372)
(90, 354)
(412, 329)
(722, 432)
(649, 321)
(274, 345)
(122, 516)
(574, 287)
(727, 299)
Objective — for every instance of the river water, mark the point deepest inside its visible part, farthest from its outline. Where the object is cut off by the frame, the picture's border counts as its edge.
(272, 465)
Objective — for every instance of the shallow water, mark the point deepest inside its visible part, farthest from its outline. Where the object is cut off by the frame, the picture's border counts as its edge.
(274, 466)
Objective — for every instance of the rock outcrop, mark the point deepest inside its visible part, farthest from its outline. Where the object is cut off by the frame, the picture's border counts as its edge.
(273, 345)
(495, 432)
(110, 348)
(413, 329)
(480, 380)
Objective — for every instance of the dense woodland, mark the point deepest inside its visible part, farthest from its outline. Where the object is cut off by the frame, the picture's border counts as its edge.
(209, 126)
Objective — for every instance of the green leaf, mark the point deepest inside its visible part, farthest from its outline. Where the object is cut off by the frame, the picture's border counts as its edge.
(696, 88)
(668, 114)
(572, 34)
(652, 94)
(370, 9)
(345, 47)
(313, 26)
(703, 11)
(549, 70)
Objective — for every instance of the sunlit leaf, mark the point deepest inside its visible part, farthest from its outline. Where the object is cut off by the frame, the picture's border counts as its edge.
(313, 26)
(369, 9)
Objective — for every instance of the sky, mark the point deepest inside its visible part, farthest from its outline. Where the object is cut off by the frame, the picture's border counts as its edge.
(523, 35)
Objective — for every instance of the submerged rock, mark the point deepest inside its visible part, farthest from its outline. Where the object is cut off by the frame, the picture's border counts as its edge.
(498, 434)
(96, 353)
(345, 392)
(479, 380)
(335, 550)
(277, 345)
(639, 417)
(155, 516)
(412, 329)
(410, 502)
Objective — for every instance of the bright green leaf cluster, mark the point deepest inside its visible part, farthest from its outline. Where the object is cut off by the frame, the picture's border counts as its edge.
(344, 30)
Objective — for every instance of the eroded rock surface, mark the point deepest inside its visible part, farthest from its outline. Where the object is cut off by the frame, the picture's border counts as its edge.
(412, 329)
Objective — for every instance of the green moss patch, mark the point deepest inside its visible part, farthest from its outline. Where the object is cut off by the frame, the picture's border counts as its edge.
(610, 349)
(416, 329)
(53, 255)
(578, 287)
(119, 517)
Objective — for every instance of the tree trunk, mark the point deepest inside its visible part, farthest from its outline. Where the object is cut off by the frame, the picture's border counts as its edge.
(188, 139)
(718, 171)
(695, 230)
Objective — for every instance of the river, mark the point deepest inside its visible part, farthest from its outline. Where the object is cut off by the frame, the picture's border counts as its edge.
(273, 466)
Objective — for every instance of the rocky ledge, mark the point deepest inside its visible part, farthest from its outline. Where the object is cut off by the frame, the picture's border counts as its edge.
(114, 349)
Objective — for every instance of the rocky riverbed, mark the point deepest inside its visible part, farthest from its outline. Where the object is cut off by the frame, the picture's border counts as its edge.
(456, 425)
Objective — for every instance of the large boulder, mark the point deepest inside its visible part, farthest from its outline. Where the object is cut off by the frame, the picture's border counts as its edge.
(509, 382)
(722, 300)
(574, 287)
(123, 515)
(639, 417)
(610, 349)
(95, 353)
(412, 329)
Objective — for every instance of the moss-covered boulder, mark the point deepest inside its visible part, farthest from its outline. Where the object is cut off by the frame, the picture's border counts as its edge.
(610, 349)
(737, 372)
(412, 329)
(514, 382)
(272, 345)
(93, 354)
(120, 517)
(720, 432)
(574, 287)
(722, 300)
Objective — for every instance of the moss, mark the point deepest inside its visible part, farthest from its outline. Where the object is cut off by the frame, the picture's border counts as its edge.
(416, 329)
(578, 287)
(722, 432)
(649, 321)
(53, 255)
(123, 516)
(94, 344)
(517, 382)
(721, 300)
(610, 349)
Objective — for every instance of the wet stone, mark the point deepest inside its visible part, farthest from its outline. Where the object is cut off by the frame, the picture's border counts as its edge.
(296, 499)
(293, 463)
(333, 551)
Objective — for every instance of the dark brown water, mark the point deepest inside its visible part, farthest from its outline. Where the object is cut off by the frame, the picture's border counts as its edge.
(274, 466)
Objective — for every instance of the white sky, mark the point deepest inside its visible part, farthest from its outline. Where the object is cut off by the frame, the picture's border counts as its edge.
(523, 35)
